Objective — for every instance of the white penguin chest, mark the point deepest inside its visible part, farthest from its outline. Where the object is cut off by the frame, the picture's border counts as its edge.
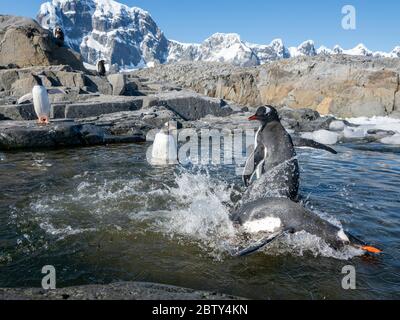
(267, 224)
(259, 169)
(41, 101)
(164, 149)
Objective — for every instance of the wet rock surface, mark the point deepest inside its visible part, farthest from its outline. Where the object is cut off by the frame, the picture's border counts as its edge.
(114, 291)
(30, 135)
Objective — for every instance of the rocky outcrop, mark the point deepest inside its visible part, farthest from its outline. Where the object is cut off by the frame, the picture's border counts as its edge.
(28, 135)
(114, 291)
(192, 106)
(341, 85)
(24, 43)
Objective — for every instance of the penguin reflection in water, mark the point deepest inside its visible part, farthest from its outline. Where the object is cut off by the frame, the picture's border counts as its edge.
(40, 98)
(271, 216)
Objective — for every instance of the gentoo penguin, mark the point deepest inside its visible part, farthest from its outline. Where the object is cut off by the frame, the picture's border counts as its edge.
(271, 218)
(273, 153)
(101, 68)
(59, 35)
(40, 97)
(165, 147)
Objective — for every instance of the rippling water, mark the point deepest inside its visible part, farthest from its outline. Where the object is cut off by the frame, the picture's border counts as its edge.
(103, 214)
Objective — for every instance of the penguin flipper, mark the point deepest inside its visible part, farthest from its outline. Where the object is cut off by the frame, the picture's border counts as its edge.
(252, 163)
(56, 91)
(300, 142)
(25, 98)
(261, 243)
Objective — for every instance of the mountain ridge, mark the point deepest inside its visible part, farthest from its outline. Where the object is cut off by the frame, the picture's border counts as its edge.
(130, 38)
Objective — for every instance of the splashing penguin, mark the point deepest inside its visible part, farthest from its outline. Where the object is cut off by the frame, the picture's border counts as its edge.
(165, 146)
(40, 97)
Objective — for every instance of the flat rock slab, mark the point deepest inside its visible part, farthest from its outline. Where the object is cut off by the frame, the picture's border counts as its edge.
(115, 291)
(192, 106)
(30, 135)
(102, 105)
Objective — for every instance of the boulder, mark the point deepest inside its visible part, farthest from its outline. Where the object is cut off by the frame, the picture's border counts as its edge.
(24, 43)
(192, 106)
(18, 112)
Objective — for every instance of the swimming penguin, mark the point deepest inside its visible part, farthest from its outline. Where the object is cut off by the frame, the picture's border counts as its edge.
(165, 148)
(275, 217)
(59, 36)
(101, 68)
(40, 97)
(274, 153)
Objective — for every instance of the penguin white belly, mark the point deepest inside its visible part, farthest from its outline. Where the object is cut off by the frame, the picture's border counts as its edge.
(41, 103)
(164, 150)
(259, 169)
(268, 224)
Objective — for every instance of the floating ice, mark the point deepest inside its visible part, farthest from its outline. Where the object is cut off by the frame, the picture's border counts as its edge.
(395, 139)
(337, 125)
(322, 136)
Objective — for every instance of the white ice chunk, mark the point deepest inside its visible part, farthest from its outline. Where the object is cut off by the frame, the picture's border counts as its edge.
(337, 125)
(322, 136)
(395, 139)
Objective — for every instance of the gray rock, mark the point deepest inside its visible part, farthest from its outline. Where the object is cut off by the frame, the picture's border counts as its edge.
(36, 46)
(30, 135)
(118, 83)
(18, 112)
(102, 105)
(192, 106)
(114, 291)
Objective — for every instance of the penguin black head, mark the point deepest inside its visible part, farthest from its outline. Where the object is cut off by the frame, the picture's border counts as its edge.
(38, 80)
(265, 114)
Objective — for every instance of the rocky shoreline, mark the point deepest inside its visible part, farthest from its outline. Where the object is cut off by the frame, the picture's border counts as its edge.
(114, 291)
(310, 93)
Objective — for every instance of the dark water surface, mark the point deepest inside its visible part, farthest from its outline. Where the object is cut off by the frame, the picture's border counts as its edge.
(103, 214)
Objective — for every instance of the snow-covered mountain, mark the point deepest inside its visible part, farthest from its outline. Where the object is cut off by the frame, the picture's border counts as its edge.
(129, 37)
(105, 29)
(219, 47)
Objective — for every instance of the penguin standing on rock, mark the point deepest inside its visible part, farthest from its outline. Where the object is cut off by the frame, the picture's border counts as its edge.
(59, 36)
(40, 97)
(101, 68)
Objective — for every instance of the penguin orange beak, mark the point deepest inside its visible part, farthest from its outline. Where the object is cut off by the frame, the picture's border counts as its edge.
(371, 249)
(252, 118)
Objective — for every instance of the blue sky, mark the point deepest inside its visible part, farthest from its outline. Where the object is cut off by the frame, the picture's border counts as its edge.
(260, 21)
